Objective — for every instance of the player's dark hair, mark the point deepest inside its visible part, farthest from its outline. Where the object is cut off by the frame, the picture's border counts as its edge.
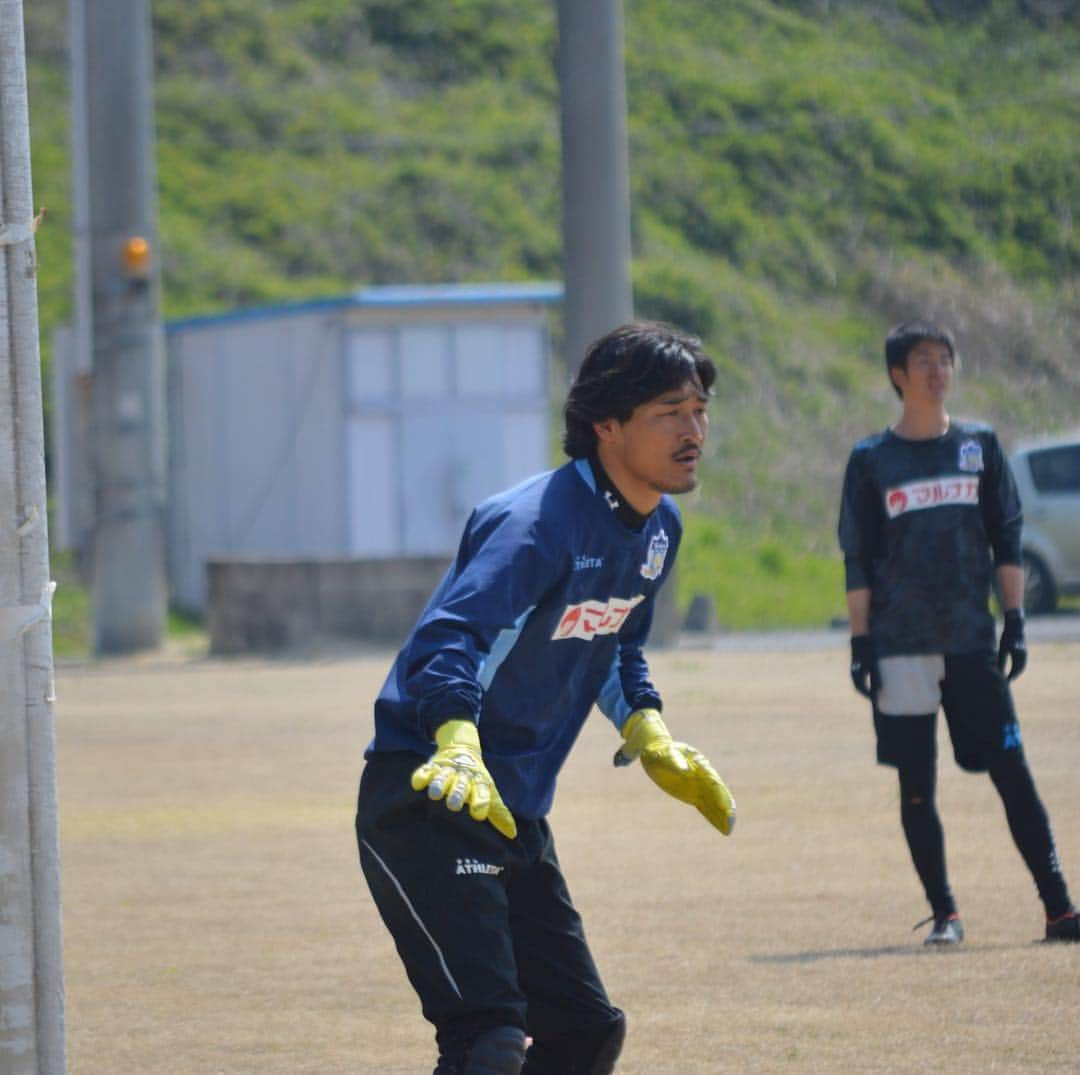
(904, 338)
(629, 366)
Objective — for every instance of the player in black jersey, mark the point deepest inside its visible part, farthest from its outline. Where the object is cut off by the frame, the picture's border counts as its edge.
(929, 517)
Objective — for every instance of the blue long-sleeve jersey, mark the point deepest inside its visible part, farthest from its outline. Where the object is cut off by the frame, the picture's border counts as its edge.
(543, 614)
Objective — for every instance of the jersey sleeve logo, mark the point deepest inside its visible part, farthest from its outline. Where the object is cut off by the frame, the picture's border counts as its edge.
(593, 618)
(655, 557)
(936, 493)
(971, 457)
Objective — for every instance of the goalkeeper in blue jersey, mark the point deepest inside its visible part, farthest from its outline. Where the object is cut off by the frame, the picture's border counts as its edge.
(542, 615)
(929, 516)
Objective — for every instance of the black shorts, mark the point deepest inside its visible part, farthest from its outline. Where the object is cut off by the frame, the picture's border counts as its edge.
(979, 711)
(484, 925)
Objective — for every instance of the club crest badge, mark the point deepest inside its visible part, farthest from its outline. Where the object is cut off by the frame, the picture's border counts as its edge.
(654, 559)
(971, 457)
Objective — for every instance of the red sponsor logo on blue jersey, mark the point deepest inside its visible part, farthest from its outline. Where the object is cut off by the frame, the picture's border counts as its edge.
(593, 618)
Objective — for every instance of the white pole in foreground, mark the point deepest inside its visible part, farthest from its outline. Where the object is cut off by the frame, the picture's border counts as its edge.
(31, 961)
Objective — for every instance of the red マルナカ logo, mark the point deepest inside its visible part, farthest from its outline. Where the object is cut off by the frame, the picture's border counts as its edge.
(935, 493)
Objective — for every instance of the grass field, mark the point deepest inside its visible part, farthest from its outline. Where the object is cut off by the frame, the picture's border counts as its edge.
(216, 921)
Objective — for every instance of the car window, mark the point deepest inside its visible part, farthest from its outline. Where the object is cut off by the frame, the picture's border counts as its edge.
(1056, 470)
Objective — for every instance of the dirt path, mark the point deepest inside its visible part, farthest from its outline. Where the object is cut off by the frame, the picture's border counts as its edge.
(216, 920)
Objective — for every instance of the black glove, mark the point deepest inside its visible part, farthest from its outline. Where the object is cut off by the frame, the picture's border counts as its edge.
(864, 666)
(1012, 644)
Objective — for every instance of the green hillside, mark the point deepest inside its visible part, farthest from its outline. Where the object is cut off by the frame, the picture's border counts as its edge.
(804, 174)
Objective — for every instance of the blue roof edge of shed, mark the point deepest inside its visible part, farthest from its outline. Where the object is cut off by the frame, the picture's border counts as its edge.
(390, 296)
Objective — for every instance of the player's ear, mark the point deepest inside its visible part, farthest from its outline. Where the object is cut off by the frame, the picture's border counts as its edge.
(606, 430)
(896, 375)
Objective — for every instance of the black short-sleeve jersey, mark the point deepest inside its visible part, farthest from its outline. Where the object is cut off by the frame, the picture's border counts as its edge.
(922, 524)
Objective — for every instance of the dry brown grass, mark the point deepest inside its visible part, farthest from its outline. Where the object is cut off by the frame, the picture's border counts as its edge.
(216, 919)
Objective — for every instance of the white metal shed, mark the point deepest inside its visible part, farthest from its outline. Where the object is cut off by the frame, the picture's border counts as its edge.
(358, 428)
(361, 427)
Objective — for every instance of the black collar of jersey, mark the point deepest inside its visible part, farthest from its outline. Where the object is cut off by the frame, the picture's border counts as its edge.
(626, 515)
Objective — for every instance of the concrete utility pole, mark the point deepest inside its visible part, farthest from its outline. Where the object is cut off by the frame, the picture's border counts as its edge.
(595, 172)
(31, 960)
(116, 236)
(596, 198)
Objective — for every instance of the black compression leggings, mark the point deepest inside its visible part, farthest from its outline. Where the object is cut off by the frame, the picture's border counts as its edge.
(925, 836)
(1030, 828)
(1028, 823)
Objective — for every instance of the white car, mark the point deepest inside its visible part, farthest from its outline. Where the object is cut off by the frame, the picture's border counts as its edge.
(1048, 477)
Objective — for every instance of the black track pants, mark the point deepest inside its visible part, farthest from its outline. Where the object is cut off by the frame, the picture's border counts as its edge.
(484, 925)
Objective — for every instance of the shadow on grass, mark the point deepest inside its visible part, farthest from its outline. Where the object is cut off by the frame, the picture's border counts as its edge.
(886, 950)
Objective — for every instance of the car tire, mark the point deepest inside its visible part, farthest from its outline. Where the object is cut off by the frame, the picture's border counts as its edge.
(1039, 592)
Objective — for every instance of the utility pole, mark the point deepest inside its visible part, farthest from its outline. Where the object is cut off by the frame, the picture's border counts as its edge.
(596, 198)
(115, 203)
(595, 172)
(31, 948)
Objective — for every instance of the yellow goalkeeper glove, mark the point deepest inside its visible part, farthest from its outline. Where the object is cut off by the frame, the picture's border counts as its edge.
(456, 774)
(679, 769)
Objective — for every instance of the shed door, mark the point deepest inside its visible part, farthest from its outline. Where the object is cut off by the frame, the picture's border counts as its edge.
(440, 417)
(371, 445)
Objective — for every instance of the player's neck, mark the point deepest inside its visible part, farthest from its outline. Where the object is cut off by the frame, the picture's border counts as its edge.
(922, 423)
(641, 496)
